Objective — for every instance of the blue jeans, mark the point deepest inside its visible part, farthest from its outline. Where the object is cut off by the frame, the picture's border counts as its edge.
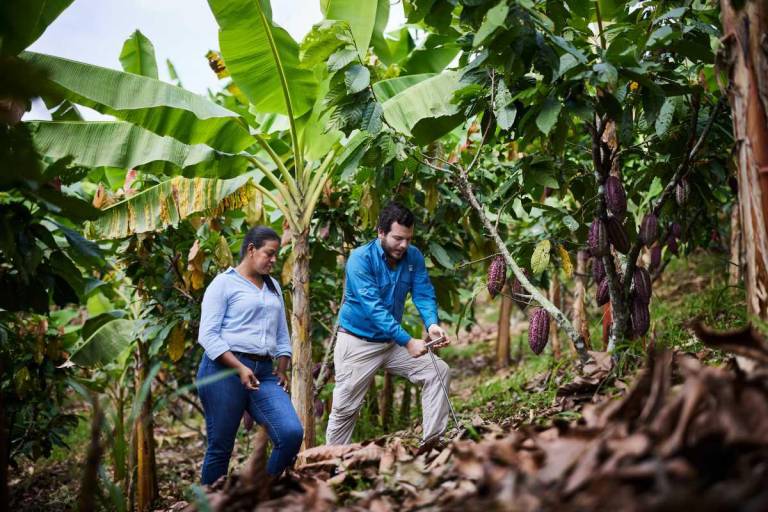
(224, 401)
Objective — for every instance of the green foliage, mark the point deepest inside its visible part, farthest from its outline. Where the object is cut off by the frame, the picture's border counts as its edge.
(138, 56)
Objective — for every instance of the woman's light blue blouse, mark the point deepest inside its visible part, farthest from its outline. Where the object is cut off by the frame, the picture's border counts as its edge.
(238, 316)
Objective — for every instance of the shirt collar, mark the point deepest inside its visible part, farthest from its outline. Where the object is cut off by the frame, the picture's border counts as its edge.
(380, 250)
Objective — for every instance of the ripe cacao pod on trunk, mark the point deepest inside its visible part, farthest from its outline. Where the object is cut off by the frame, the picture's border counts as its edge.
(649, 229)
(497, 274)
(538, 330)
(682, 191)
(617, 235)
(603, 295)
(598, 238)
(615, 198)
(598, 270)
(655, 257)
(642, 284)
(640, 317)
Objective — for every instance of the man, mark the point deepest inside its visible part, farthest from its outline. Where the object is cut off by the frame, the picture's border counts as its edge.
(379, 276)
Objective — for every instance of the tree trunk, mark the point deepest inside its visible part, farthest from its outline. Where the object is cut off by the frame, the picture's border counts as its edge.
(301, 373)
(734, 268)
(405, 405)
(502, 340)
(387, 397)
(554, 298)
(579, 298)
(745, 59)
(5, 445)
(146, 466)
(89, 484)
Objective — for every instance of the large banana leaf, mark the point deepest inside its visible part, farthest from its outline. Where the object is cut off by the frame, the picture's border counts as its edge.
(247, 37)
(361, 17)
(424, 110)
(385, 89)
(167, 203)
(138, 55)
(23, 21)
(126, 146)
(152, 104)
(105, 344)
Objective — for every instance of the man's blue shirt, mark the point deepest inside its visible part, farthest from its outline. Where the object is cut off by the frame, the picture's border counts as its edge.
(375, 294)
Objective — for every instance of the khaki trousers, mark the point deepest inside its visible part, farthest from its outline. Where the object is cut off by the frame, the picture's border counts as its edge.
(356, 363)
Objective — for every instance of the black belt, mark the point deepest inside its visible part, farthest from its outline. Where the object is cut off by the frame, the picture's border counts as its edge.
(254, 357)
(345, 331)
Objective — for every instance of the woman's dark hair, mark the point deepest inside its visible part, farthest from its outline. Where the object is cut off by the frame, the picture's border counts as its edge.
(257, 236)
(395, 212)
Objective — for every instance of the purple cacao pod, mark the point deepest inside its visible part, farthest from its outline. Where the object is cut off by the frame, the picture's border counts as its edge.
(603, 296)
(640, 317)
(598, 238)
(655, 257)
(672, 245)
(617, 235)
(538, 330)
(319, 408)
(682, 191)
(598, 270)
(649, 229)
(615, 198)
(518, 292)
(675, 230)
(497, 274)
(641, 282)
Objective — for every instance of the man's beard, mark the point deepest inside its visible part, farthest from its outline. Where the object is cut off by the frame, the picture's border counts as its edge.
(389, 253)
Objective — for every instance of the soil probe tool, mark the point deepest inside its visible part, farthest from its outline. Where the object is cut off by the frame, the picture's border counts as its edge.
(429, 344)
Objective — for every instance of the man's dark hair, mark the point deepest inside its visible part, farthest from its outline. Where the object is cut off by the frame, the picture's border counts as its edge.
(257, 236)
(395, 212)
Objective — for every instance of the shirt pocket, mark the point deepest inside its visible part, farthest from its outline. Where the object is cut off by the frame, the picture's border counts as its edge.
(402, 287)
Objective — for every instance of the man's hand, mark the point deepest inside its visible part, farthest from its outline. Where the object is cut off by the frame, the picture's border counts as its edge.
(282, 379)
(248, 379)
(416, 347)
(435, 332)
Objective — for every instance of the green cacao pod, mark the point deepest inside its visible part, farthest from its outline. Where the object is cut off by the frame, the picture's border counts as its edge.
(497, 274)
(603, 295)
(649, 229)
(538, 330)
(615, 198)
(682, 191)
(640, 317)
(598, 238)
(641, 283)
(617, 235)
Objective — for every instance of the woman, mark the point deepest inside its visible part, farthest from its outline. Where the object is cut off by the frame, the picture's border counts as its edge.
(243, 327)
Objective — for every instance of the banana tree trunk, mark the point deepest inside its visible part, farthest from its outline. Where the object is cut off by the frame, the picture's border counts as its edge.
(502, 340)
(146, 466)
(301, 373)
(746, 62)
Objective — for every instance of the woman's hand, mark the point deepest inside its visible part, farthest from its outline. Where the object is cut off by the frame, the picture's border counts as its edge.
(282, 379)
(248, 378)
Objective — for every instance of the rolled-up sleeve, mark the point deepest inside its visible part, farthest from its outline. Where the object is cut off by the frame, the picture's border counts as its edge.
(212, 314)
(362, 284)
(283, 338)
(422, 292)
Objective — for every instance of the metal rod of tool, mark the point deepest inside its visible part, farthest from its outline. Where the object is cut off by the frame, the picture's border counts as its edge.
(442, 383)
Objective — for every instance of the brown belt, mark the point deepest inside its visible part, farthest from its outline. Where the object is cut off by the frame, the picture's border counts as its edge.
(254, 357)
